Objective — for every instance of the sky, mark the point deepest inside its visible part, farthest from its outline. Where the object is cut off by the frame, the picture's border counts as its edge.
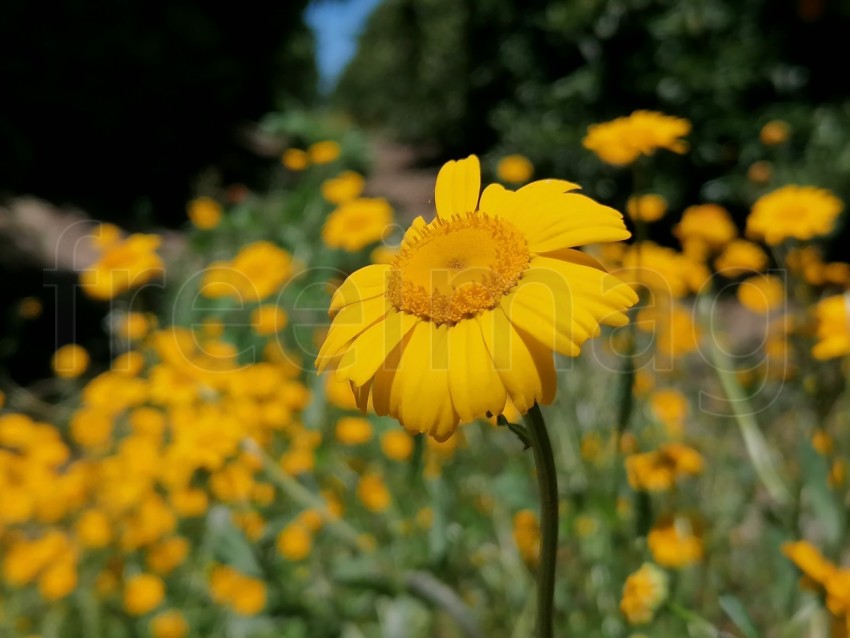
(336, 23)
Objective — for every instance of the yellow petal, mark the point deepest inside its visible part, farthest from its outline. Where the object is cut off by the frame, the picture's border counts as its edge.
(458, 186)
(371, 348)
(538, 313)
(348, 324)
(528, 372)
(474, 384)
(366, 283)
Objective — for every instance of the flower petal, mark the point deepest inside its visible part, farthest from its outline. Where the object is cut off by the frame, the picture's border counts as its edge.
(458, 187)
(347, 325)
(371, 348)
(474, 384)
(366, 283)
(534, 308)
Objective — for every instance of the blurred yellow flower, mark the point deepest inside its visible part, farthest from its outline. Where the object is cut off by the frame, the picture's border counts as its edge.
(670, 407)
(837, 586)
(345, 187)
(353, 430)
(94, 529)
(397, 445)
(258, 270)
(165, 556)
(774, 132)
(471, 302)
(741, 257)
(123, 266)
(760, 172)
(268, 319)
(662, 270)
(526, 533)
(809, 560)
(204, 213)
(707, 224)
(169, 624)
(793, 212)
(833, 329)
(132, 326)
(643, 593)
(143, 593)
(675, 541)
(324, 152)
(59, 579)
(623, 140)
(295, 159)
(70, 361)
(373, 493)
(243, 594)
(189, 502)
(357, 223)
(822, 442)
(837, 473)
(648, 208)
(294, 542)
(105, 235)
(658, 470)
(30, 308)
(514, 169)
(762, 293)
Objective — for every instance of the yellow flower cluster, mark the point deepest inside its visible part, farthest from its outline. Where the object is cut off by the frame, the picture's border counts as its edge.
(241, 593)
(658, 470)
(357, 223)
(623, 140)
(123, 264)
(675, 541)
(257, 271)
(643, 593)
(793, 212)
(822, 575)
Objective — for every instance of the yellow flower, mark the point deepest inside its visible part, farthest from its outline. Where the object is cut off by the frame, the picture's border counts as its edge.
(294, 542)
(106, 235)
(643, 593)
(798, 212)
(245, 595)
(357, 223)
(123, 266)
(760, 172)
(373, 493)
(295, 159)
(143, 593)
(165, 556)
(622, 141)
(774, 132)
(70, 361)
(94, 529)
(169, 624)
(59, 579)
(809, 560)
(257, 271)
(741, 257)
(675, 542)
(204, 213)
(838, 593)
(383, 254)
(353, 430)
(706, 224)
(833, 331)
(662, 270)
(30, 308)
(472, 307)
(657, 471)
(648, 208)
(396, 445)
(527, 536)
(762, 293)
(343, 188)
(837, 473)
(324, 152)
(514, 169)
(132, 326)
(268, 320)
(670, 407)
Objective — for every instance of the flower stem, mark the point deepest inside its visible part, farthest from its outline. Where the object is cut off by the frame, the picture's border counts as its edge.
(547, 484)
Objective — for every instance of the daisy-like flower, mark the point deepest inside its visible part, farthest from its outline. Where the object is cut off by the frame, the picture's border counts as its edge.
(622, 141)
(799, 212)
(471, 309)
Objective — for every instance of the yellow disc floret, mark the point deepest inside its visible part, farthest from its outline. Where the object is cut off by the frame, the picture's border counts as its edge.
(453, 269)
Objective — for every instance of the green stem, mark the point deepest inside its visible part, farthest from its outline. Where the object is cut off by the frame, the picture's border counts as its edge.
(547, 483)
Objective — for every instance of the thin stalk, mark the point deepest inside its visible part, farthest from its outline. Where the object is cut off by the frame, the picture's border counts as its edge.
(547, 484)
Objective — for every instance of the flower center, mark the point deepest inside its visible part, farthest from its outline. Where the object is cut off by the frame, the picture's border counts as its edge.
(453, 269)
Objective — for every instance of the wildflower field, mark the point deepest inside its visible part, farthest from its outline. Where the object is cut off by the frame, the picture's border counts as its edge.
(535, 408)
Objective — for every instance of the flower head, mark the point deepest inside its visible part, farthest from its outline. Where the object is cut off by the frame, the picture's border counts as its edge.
(515, 169)
(833, 332)
(675, 542)
(648, 208)
(643, 593)
(70, 361)
(343, 188)
(622, 141)
(357, 223)
(471, 309)
(204, 213)
(124, 265)
(741, 257)
(798, 212)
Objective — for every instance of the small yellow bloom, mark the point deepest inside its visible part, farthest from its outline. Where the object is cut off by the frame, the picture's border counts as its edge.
(707, 224)
(822, 442)
(643, 593)
(132, 326)
(833, 330)
(204, 213)
(761, 294)
(837, 473)
(397, 445)
(30, 308)
(345, 187)
(295, 159)
(373, 493)
(515, 169)
(70, 361)
(675, 542)
(648, 208)
(670, 407)
(165, 556)
(357, 223)
(294, 542)
(657, 471)
(353, 430)
(245, 595)
(798, 212)
(143, 593)
(760, 172)
(268, 320)
(837, 587)
(809, 560)
(741, 257)
(324, 152)
(527, 536)
(774, 132)
(123, 266)
(59, 579)
(105, 235)
(169, 624)
(189, 502)
(94, 529)
(257, 271)
(623, 140)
